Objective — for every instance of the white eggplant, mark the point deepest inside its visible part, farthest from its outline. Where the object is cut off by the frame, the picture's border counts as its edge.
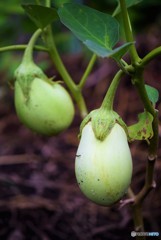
(103, 168)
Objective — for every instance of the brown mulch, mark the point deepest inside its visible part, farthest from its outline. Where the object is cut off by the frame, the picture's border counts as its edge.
(39, 197)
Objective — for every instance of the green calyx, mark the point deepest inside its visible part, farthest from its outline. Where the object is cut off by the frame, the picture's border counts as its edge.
(26, 73)
(103, 121)
(28, 70)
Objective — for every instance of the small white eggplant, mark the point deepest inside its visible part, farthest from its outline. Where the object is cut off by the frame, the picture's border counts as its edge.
(48, 108)
(42, 105)
(103, 168)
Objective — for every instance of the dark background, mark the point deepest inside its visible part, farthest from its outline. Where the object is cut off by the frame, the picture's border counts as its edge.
(39, 196)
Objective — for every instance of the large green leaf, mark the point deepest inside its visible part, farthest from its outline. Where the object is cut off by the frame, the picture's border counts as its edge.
(41, 16)
(97, 30)
(153, 93)
(129, 3)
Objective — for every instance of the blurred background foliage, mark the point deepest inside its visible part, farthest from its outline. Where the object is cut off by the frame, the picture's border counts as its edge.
(16, 27)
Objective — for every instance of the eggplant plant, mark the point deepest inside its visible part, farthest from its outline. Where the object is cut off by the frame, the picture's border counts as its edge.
(46, 107)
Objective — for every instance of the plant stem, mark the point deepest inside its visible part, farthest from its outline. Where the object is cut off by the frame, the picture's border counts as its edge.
(152, 153)
(109, 97)
(140, 86)
(48, 3)
(57, 60)
(137, 213)
(149, 183)
(128, 32)
(37, 2)
(22, 47)
(87, 72)
(139, 83)
(150, 56)
(28, 54)
(75, 90)
(138, 220)
(139, 198)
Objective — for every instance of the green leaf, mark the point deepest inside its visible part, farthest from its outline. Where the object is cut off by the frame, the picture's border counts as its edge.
(153, 93)
(97, 30)
(59, 3)
(142, 130)
(120, 51)
(129, 3)
(41, 16)
(116, 53)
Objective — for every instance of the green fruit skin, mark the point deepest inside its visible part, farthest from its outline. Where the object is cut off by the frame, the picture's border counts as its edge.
(103, 168)
(48, 109)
